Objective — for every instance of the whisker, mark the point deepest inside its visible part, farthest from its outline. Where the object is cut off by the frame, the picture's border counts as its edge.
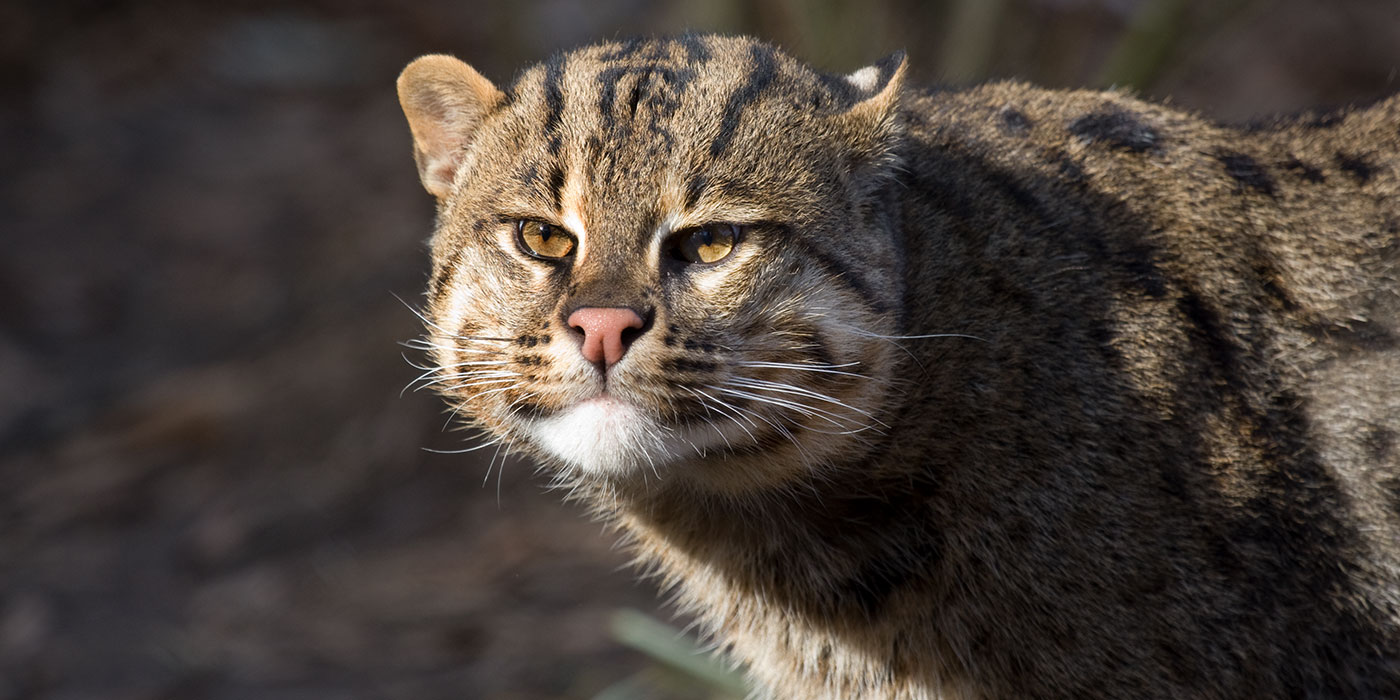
(461, 451)
(723, 413)
(824, 369)
(836, 419)
(425, 346)
(790, 389)
(780, 429)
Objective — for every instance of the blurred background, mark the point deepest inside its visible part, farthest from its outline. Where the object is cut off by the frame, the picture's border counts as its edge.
(210, 486)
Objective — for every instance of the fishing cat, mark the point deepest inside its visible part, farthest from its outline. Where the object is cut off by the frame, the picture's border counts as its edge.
(998, 392)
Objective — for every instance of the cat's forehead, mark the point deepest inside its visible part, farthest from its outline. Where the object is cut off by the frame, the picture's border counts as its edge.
(680, 62)
(642, 129)
(683, 83)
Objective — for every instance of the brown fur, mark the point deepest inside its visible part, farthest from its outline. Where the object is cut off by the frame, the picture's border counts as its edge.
(1070, 395)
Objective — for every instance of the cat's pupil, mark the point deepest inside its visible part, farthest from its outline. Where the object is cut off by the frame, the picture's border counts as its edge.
(707, 244)
(542, 241)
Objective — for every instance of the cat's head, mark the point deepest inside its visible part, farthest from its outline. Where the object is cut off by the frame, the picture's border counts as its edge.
(664, 258)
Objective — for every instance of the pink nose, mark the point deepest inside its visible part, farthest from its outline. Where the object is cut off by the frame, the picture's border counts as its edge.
(603, 332)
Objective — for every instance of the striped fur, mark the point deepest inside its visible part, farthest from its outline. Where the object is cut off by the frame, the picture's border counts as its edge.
(1003, 392)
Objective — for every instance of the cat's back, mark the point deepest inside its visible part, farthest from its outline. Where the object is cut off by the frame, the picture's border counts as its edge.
(1194, 326)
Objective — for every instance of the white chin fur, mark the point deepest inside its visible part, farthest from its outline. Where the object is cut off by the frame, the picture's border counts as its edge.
(609, 436)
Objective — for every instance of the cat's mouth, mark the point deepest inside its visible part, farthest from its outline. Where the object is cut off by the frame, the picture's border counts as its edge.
(607, 434)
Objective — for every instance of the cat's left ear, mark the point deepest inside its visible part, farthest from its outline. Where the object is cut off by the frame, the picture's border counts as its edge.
(871, 125)
(445, 101)
(878, 86)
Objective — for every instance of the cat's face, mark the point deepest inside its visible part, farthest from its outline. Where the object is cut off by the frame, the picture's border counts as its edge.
(662, 259)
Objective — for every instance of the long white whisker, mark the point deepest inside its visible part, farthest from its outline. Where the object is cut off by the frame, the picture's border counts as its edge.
(868, 334)
(824, 369)
(789, 403)
(836, 419)
(461, 451)
(799, 391)
(720, 411)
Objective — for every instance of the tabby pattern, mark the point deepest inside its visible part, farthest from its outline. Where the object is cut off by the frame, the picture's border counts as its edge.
(997, 392)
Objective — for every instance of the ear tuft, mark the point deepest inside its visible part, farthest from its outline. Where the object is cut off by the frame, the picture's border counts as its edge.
(445, 100)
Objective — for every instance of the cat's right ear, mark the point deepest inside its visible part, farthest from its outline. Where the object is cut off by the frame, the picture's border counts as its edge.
(445, 101)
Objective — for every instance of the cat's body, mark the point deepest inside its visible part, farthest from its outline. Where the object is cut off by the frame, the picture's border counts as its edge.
(1151, 450)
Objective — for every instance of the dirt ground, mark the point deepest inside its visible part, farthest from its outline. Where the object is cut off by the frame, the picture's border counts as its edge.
(210, 485)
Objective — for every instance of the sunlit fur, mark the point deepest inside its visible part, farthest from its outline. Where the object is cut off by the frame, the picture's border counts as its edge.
(1003, 392)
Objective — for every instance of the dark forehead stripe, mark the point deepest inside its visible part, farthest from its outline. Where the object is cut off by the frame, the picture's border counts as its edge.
(553, 98)
(554, 114)
(655, 75)
(648, 75)
(658, 49)
(765, 68)
(695, 48)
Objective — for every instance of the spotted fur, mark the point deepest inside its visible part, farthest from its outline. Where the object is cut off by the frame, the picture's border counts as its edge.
(1003, 393)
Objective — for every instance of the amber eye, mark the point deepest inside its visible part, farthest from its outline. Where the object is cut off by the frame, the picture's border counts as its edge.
(544, 240)
(707, 244)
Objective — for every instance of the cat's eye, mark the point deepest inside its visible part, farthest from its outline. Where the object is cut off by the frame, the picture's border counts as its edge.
(710, 243)
(543, 240)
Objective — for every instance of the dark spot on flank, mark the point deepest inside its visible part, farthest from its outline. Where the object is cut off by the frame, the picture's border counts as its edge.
(1247, 172)
(1013, 121)
(1117, 129)
(1304, 171)
(1379, 442)
(1205, 323)
(1357, 166)
(1143, 272)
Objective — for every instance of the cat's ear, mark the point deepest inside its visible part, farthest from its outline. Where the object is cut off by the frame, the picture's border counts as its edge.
(878, 86)
(871, 124)
(445, 101)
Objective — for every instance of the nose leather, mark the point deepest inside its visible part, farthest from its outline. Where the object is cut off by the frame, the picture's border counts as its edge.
(603, 329)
